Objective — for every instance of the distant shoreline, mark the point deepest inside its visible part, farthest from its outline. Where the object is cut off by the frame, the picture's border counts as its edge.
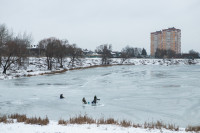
(78, 68)
(37, 66)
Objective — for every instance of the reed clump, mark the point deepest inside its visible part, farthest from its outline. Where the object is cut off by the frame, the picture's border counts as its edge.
(62, 122)
(111, 121)
(82, 120)
(38, 121)
(26, 120)
(193, 128)
(18, 117)
(125, 123)
(160, 125)
(5, 119)
(137, 125)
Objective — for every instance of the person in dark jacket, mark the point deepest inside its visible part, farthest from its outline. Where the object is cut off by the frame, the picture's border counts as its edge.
(95, 100)
(84, 101)
(61, 96)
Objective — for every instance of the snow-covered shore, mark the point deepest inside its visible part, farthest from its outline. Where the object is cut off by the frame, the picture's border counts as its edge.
(53, 127)
(37, 66)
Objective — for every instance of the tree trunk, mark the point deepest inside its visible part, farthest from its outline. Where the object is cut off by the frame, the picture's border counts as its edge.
(4, 70)
(73, 58)
(61, 60)
(50, 65)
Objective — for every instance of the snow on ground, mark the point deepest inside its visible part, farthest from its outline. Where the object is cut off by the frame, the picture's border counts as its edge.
(53, 127)
(38, 66)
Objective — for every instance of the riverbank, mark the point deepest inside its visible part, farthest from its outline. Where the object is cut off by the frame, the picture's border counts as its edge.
(38, 66)
(21, 124)
(53, 127)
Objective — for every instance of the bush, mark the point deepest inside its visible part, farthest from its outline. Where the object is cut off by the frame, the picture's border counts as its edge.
(38, 121)
(62, 122)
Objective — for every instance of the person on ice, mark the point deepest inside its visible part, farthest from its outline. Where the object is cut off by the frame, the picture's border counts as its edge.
(95, 100)
(84, 101)
(61, 96)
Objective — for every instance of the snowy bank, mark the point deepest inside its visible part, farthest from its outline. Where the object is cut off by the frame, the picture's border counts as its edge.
(17, 123)
(38, 66)
(53, 127)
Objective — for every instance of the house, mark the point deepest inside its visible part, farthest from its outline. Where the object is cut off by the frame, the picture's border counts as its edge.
(90, 54)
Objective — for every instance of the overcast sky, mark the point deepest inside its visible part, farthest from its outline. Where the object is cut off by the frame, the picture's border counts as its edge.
(90, 23)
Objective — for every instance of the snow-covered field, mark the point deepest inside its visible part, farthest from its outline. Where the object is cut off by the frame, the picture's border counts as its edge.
(37, 66)
(53, 127)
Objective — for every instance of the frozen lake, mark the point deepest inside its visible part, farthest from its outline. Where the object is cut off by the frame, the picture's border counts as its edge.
(136, 93)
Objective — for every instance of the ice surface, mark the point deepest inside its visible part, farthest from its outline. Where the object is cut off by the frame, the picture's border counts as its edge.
(137, 93)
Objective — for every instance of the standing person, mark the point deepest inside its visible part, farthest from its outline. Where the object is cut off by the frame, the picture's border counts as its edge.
(95, 99)
(84, 101)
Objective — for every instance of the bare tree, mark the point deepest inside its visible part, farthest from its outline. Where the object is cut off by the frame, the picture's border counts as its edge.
(105, 51)
(50, 45)
(9, 55)
(74, 53)
(5, 36)
(23, 41)
(61, 51)
(160, 53)
(170, 53)
(127, 53)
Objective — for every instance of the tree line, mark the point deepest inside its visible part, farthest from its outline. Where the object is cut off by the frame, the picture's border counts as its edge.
(56, 49)
(162, 53)
(14, 50)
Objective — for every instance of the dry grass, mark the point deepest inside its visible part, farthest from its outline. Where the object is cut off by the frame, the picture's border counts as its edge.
(173, 127)
(20, 118)
(33, 120)
(5, 119)
(82, 120)
(125, 123)
(88, 120)
(137, 125)
(160, 125)
(62, 122)
(193, 128)
(101, 121)
(111, 121)
(38, 121)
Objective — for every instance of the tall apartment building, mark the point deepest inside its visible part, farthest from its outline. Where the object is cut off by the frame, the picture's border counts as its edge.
(166, 39)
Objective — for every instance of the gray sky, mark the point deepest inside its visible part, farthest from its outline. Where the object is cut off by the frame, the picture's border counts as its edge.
(90, 23)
